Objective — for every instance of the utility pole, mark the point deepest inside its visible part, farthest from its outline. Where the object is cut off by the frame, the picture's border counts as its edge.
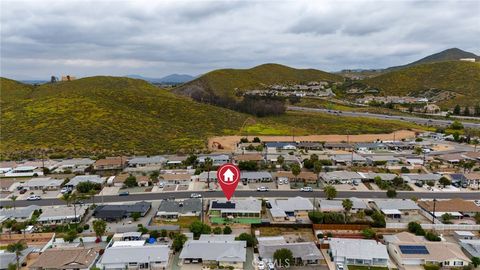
(434, 205)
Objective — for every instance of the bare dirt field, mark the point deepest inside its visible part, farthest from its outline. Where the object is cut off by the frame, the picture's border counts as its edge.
(228, 142)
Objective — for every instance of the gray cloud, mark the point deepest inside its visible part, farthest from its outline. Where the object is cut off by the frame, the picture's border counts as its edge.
(84, 38)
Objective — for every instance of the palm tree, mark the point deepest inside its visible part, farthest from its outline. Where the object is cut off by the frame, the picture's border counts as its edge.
(67, 198)
(296, 171)
(475, 142)
(14, 199)
(17, 248)
(347, 206)
(208, 164)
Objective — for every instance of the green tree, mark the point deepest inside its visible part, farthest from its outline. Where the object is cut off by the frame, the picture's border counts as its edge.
(391, 193)
(416, 228)
(477, 218)
(456, 110)
(86, 187)
(207, 165)
(295, 171)
(444, 181)
(368, 233)
(178, 241)
(198, 228)
(475, 261)
(466, 111)
(447, 217)
(283, 256)
(17, 249)
(330, 192)
(99, 227)
(135, 216)
(191, 160)
(246, 237)
(378, 220)
(456, 125)
(398, 181)
(280, 160)
(154, 176)
(431, 236)
(347, 205)
(70, 236)
(217, 230)
(227, 230)
(256, 140)
(131, 181)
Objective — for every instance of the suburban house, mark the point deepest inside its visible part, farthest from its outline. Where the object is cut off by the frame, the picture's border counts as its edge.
(242, 210)
(176, 178)
(303, 177)
(135, 257)
(292, 208)
(382, 160)
(371, 147)
(338, 146)
(65, 258)
(304, 253)
(19, 213)
(473, 180)
(348, 159)
(411, 250)
(464, 235)
(337, 205)
(110, 164)
(211, 176)
(370, 176)
(10, 258)
(217, 160)
(248, 157)
(457, 207)
(310, 145)
(279, 146)
(85, 178)
(172, 210)
(399, 145)
(221, 250)
(255, 177)
(287, 159)
(358, 252)
(396, 208)
(143, 162)
(421, 178)
(7, 185)
(43, 183)
(74, 165)
(340, 177)
(115, 212)
(471, 247)
(24, 171)
(61, 214)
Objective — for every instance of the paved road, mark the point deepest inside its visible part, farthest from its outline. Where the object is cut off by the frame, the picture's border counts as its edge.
(417, 120)
(253, 193)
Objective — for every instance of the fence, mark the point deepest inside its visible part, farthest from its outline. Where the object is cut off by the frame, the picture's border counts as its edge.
(341, 227)
(439, 227)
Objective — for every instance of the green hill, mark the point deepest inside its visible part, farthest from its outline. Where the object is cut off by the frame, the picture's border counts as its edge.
(113, 115)
(452, 54)
(461, 78)
(225, 82)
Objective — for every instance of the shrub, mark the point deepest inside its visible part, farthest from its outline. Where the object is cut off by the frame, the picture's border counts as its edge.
(217, 230)
(415, 228)
(227, 230)
(431, 236)
(368, 233)
(431, 266)
(246, 237)
(378, 220)
(283, 256)
(86, 227)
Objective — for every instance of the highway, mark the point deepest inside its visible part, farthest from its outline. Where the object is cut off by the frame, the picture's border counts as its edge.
(252, 193)
(417, 120)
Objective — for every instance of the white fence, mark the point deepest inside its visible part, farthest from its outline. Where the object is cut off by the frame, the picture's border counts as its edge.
(439, 227)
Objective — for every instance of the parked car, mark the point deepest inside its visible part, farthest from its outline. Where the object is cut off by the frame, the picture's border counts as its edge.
(33, 198)
(261, 265)
(195, 195)
(161, 185)
(23, 191)
(419, 184)
(339, 266)
(306, 189)
(271, 266)
(280, 182)
(355, 182)
(124, 193)
(65, 190)
(262, 189)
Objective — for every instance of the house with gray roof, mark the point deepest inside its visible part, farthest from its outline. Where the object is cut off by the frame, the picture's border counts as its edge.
(137, 257)
(61, 214)
(43, 183)
(375, 146)
(360, 252)
(304, 253)
(155, 161)
(217, 160)
(172, 210)
(19, 213)
(215, 251)
(382, 160)
(337, 205)
(292, 208)
(340, 177)
(471, 247)
(421, 178)
(115, 212)
(247, 209)
(85, 178)
(395, 208)
(348, 159)
(370, 176)
(255, 177)
(75, 165)
(8, 258)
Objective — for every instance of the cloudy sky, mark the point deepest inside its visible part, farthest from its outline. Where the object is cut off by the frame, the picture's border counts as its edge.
(84, 38)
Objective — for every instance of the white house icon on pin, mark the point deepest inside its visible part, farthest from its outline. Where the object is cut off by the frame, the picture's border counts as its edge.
(228, 176)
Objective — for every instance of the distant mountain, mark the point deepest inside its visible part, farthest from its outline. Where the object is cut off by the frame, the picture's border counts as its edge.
(225, 82)
(172, 78)
(453, 54)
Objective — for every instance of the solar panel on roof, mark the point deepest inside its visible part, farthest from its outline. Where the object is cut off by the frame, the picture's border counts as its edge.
(225, 205)
(406, 249)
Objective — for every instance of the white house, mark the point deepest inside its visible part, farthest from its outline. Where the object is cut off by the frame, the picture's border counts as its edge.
(358, 252)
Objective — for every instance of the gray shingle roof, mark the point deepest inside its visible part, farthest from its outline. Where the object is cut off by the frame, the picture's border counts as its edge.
(220, 251)
(185, 206)
(399, 204)
(303, 250)
(358, 249)
(142, 254)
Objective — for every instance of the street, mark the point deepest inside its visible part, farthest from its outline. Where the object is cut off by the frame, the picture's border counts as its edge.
(417, 120)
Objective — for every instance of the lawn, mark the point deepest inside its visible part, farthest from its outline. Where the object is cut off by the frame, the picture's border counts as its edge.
(183, 222)
(220, 220)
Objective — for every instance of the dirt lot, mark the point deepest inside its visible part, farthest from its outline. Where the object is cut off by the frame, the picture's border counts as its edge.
(228, 142)
(297, 235)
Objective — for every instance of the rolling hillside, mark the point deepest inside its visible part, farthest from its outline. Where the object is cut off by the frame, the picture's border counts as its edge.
(113, 115)
(224, 82)
(461, 78)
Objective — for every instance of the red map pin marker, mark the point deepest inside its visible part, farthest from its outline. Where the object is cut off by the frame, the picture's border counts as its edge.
(228, 176)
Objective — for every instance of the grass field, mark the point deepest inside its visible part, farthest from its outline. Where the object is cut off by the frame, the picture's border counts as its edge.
(220, 220)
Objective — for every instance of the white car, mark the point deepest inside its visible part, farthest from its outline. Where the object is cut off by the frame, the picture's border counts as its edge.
(340, 266)
(261, 265)
(161, 185)
(33, 198)
(65, 190)
(262, 189)
(271, 266)
(195, 195)
(306, 189)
